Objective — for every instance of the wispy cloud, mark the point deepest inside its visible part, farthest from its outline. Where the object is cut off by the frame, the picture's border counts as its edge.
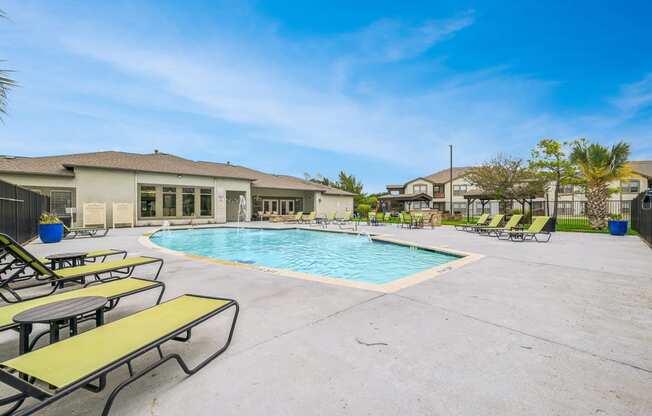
(309, 93)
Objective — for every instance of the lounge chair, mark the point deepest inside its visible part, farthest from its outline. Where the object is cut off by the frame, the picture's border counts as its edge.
(114, 291)
(482, 220)
(43, 275)
(494, 223)
(511, 224)
(310, 218)
(379, 218)
(298, 217)
(73, 232)
(346, 219)
(331, 218)
(52, 372)
(532, 233)
(418, 220)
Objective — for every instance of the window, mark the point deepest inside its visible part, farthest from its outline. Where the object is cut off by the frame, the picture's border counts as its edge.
(566, 189)
(169, 201)
(59, 201)
(206, 202)
(188, 202)
(393, 192)
(459, 206)
(147, 201)
(580, 189)
(418, 205)
(459, 189)
(631, 185)
(565, 208)
(420, 189)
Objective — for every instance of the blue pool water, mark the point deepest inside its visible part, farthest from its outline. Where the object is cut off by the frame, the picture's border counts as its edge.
(337, 255)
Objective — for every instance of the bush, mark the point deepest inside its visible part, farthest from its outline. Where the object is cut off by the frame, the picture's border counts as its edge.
(516, 211)
(363, 210)
(48, 218)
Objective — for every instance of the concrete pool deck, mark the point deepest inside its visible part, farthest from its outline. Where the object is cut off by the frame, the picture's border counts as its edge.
(563, 328)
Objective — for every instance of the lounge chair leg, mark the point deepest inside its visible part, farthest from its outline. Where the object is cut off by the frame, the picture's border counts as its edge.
(17, 399)
(177, 358)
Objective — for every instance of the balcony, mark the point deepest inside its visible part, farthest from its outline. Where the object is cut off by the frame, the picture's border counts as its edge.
(439, 195)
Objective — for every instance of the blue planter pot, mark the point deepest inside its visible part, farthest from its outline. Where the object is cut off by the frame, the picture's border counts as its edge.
(50, 233)
(617, 227)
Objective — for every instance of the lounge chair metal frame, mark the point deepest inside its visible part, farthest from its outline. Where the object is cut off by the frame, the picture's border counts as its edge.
(24, 383)
(43, 275)
(112, 303)
(482, 220)
(92, 232)
(527, 234)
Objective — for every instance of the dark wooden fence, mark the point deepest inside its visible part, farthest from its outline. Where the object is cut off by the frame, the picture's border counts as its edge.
(20, 210)
(642, 215)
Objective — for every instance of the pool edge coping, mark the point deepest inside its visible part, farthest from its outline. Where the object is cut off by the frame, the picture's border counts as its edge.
(390, 287)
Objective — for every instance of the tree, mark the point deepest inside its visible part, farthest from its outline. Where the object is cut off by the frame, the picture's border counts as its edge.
(551, 164)
(598, 166)
(506, 178)
(6, 83)
(349, 183)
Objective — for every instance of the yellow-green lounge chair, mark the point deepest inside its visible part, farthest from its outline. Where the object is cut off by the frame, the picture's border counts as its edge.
(378, 218)
(532, 233)
(50, 373)
(330, 218)
(346, 219)
(72, 232)
(482, 220)
(43, 275)
(297, 218)
(310, 218)
(494, 223)
(418, 220)
(114, 291)
(514, 220)
(406, 220)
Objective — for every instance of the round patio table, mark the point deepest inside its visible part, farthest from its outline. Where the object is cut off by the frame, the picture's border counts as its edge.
(57, 315)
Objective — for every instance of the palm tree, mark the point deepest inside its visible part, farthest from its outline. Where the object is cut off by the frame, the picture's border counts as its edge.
(599, 166)
(5, 82)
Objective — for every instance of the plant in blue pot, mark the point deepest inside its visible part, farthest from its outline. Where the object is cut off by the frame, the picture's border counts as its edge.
(617, 226)
(50, 228)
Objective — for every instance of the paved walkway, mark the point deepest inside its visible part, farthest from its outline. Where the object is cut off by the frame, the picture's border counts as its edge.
(563, 328)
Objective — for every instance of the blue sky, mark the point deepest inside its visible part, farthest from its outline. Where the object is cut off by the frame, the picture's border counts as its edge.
(376, 88)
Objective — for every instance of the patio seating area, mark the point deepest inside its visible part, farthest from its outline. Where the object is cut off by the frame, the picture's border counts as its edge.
(557, 328)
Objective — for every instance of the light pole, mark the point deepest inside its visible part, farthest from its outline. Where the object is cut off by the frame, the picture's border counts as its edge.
(450, 198)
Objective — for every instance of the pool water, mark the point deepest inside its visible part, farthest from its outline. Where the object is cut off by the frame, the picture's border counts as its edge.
(339, 255)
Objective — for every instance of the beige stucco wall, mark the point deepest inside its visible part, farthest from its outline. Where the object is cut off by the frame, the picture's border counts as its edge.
(326, 204)
(39, 180)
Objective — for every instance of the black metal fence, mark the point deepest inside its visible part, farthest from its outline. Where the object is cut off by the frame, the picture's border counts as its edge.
(642, 215)
(20, 210)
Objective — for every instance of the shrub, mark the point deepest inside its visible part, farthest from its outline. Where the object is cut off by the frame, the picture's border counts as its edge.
(48, 218)
(363, 210)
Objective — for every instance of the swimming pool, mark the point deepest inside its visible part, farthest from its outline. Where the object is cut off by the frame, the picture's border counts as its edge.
(338, 255)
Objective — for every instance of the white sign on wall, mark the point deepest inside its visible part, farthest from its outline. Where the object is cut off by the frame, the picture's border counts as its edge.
(94, 214)
(123, 213)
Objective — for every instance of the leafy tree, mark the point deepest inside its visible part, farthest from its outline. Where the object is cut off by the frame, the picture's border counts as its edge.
(550, 162)
(6, 83)
(598, 166)
(349, 183)
(506, 178)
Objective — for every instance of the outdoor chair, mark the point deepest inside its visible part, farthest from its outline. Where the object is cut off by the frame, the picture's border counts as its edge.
(48, 374)
(511, 224)
(43, 275)
(482, 220)
(494, 223)
(310, 218)
(114, 291)
(298, 217)
(532, 233)
(73, 232)
(406, 219)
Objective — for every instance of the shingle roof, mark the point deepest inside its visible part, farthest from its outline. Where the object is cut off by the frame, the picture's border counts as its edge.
(154, 162)
(443, 176)
(643, 167)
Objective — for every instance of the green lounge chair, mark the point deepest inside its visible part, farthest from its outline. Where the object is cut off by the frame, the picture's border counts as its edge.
(310, 218)
(532, 233)
(494, 223)
(388, 217)
(330, 218)
(73, 232)
(114, 291)
(346, 219)
(43, 275)
(406, 220)
(482, 220)
(298, 217)
(418, 220)
(514, 220)
(50, 373)
(379, 218)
